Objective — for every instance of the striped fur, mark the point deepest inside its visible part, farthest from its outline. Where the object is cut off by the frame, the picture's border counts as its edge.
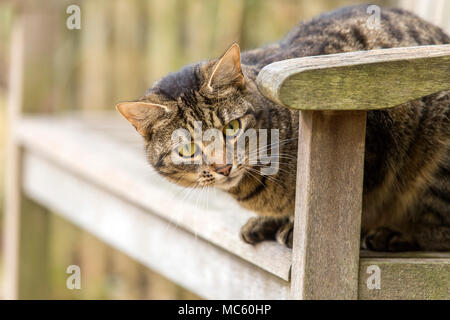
(407, 161)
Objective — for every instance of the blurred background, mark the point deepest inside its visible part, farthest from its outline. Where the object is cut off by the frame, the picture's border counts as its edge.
(123, 46)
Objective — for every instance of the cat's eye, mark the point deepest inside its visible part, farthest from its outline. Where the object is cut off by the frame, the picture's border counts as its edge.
(188, 150)
(232, 128)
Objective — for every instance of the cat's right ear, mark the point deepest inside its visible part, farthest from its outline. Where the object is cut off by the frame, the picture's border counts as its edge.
(141, 114)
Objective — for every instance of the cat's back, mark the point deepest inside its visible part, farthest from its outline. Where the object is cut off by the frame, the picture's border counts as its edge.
(349, 29)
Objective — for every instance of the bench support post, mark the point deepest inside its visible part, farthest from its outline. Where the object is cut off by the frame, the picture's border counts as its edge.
(328, 205)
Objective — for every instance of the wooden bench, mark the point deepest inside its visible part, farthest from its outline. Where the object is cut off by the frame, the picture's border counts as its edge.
(91, 169)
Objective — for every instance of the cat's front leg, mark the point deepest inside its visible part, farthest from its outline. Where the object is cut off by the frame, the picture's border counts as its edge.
(258, 229)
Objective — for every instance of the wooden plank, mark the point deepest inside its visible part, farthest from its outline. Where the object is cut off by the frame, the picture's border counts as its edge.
(438, 15)
(40, 54)
(13, 166)
(34, 271)
(128, 51)
(446, 17)
(404, 278)
(190, 261)
(64, 250)
(367, 254)
(164, 20)
(119, 167)
(328, 205)
(95, 74)
(64, 61)
(434, 11)
(362, 80)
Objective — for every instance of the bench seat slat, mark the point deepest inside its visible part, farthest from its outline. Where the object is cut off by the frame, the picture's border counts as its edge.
(106, 151)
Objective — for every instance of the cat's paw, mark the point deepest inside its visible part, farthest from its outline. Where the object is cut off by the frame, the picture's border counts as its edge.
(385, 239)
(285, 234)
(258, 229)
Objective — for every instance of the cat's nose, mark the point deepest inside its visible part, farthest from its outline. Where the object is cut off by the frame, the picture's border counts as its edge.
(224, 170)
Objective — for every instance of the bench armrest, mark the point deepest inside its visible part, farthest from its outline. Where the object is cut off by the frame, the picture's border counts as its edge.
(363, 80)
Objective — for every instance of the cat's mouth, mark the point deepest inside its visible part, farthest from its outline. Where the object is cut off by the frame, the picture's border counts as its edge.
(230, 181)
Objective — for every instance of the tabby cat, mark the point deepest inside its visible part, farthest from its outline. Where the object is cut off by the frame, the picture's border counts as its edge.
(406, 202)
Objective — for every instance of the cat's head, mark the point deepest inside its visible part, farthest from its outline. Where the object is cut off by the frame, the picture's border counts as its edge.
(207, 94)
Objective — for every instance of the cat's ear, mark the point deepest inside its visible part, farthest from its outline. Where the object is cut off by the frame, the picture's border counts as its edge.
(141, 114)
(227, 69)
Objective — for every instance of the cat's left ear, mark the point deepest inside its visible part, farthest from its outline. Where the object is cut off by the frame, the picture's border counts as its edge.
(141, 114)
(228, 70)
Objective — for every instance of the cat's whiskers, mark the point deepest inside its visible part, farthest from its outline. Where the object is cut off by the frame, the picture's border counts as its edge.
(254, 177)
(196, 207)
(264, 149)
(186, 192)
(268, 177)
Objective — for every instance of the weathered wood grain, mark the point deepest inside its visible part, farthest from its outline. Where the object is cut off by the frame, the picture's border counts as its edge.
(110, 155)
(13, 166)
(403, 278)
(362, 80)
(367, 254)
(190, 261)
(328, 205)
